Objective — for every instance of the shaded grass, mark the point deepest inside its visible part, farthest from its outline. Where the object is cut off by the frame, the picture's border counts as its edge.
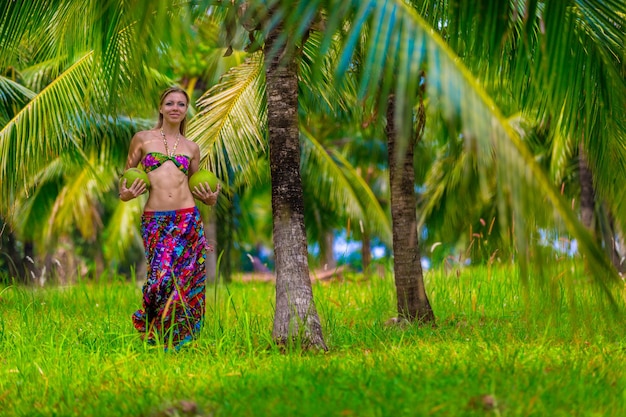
(73, 352)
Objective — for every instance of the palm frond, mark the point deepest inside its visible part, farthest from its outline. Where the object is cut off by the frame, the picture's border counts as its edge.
(13, 97)
(77, 203)
(336, 184)
(319, 92)
(67, 192)
(229, 125)
(15, 20)
(121, 233)
(38, 133)
(29, 218)
(582, 42)
(38, 75)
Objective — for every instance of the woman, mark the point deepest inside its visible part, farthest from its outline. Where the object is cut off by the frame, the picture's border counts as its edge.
(171, 226)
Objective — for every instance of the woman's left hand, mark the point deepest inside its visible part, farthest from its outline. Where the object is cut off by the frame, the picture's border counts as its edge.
(204, 193)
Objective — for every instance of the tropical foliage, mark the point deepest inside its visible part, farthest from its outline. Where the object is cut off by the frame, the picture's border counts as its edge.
(547, 65)
(78, 77)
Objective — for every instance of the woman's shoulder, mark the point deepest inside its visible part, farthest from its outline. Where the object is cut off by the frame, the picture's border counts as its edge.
(190, 144)
(141, 137)
(144, 134)
(189, 141)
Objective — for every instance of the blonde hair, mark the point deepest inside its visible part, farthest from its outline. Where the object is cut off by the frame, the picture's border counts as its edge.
(164, 94)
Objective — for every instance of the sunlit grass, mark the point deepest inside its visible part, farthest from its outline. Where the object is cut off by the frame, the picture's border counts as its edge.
(499, 348)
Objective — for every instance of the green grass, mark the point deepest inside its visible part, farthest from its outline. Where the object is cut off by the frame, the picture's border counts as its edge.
(73, 352)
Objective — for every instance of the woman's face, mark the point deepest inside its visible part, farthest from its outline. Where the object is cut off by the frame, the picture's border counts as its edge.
(174, 107)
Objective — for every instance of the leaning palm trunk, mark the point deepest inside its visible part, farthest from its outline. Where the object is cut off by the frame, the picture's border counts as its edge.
(610, 237)
(621, 248)
(296, 317)
(411, 294)
(587, 198)
(603, 222)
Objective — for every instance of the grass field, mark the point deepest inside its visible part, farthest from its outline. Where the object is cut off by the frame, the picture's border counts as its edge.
(499, 349)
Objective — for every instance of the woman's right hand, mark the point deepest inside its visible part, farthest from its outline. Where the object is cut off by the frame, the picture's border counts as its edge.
(137, 188)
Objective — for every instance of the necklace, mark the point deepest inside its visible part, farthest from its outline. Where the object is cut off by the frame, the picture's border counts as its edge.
(167, 152)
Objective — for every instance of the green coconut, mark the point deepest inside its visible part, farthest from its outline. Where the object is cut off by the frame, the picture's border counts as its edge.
(202, 176)
(132, 174)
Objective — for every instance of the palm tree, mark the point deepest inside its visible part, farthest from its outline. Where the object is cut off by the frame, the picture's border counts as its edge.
(295, 308)
(412, 300)
(330, 177)
(399, 37)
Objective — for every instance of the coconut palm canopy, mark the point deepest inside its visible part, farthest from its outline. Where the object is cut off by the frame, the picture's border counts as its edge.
(74, 71)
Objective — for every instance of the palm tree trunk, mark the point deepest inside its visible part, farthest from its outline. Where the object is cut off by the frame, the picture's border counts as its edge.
(366, 253)
(13, 258)
(621, 248)
(411, 294)
(366, 238)
(587, 199)
(29, 261)
(610, 237)
(296, 317)
(604, 222)
(328, 256)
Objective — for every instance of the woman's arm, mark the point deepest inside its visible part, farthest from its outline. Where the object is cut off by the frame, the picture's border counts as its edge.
(135, 151)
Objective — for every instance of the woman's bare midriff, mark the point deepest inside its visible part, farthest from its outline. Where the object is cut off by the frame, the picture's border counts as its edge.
(169, 189)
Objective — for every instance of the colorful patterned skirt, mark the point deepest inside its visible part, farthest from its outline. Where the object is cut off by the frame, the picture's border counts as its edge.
(174, 293)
